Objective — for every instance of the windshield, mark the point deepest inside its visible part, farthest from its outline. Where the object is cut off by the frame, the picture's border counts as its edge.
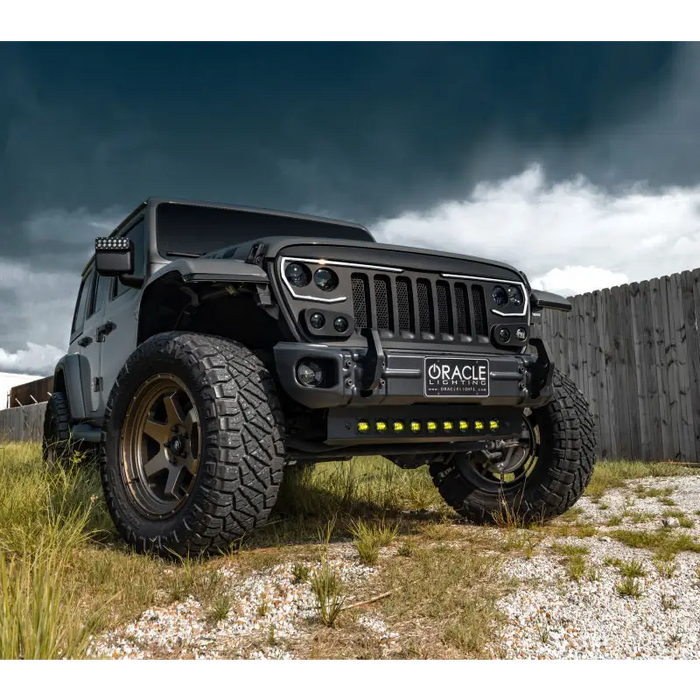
(189, 229)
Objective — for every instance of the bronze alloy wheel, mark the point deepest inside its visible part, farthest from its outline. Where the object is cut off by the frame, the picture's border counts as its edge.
(160, 446)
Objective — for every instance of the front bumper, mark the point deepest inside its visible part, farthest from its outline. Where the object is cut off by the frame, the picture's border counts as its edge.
(365, 376)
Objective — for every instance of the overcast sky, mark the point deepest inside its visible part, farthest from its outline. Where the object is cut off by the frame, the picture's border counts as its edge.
(579, 163)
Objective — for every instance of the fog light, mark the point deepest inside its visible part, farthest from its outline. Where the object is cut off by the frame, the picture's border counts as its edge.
(493, 425)
(463, 425)
(415, 426)
(309, 373)
(478, 425)
(380, 426)
(521, 333)
(340, 324)
(398, 426)
(317, 320)
(362, 426)
(432, 426)
(504, 335)
(447, 426)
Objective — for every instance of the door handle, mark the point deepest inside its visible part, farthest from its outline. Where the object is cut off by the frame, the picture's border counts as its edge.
(85, 341)
(104, 330)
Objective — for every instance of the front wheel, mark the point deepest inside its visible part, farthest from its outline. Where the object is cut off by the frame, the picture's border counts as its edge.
(192, 444)
(539, 480)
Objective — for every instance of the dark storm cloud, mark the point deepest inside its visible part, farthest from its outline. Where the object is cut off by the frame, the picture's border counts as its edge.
(362, 129)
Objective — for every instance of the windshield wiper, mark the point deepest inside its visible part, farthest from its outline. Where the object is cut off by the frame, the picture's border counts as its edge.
(183, 255)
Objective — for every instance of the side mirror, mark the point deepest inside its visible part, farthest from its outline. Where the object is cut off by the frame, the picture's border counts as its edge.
(114, 256)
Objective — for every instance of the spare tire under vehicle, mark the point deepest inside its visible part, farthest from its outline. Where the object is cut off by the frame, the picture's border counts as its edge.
(192, 444)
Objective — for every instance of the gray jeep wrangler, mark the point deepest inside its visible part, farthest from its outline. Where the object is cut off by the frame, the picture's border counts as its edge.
(212, 346)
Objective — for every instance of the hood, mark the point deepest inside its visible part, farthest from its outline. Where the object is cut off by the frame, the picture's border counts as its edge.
(368, 252)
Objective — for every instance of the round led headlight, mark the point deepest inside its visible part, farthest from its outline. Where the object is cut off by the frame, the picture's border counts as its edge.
(326, 280)
(515, 296)
(499, 296)
(297, 274)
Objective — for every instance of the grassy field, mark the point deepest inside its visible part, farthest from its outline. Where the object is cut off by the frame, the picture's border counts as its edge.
(65, 575)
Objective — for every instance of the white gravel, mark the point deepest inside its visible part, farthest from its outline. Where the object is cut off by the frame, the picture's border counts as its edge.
(551, 616)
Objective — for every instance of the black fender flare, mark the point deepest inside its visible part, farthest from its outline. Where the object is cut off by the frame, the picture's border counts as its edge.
(72, 372)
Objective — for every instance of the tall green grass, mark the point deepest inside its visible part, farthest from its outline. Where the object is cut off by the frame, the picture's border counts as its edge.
(61, 564)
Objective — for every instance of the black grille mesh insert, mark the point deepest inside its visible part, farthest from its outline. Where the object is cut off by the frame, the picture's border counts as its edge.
(462, 304)
(424, 306)
(404, 300)
(383, 301)
(360, 300)
(479, 310)
(444, 307)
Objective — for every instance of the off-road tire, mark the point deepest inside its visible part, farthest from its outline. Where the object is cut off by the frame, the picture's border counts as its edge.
(56, 446)
(241, 452)
(559, 477)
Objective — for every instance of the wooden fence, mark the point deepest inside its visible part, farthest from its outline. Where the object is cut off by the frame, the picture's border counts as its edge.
(634, 351)
(23, 423)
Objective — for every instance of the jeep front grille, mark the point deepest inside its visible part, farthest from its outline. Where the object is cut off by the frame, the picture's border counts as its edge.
(420, 307)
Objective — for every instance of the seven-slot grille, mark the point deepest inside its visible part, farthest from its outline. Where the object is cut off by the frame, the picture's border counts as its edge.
(421, 306)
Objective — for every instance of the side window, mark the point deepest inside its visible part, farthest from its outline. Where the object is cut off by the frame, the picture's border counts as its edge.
(84, 295)
(99, 295)
(137, 233)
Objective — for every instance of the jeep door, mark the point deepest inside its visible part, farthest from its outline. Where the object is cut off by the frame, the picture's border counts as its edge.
(82, 340)
(92, 335)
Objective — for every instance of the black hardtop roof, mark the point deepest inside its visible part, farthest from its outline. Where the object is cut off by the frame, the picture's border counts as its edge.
(155, 201)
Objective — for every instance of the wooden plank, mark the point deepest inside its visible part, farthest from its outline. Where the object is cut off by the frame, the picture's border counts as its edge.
(622, 379)
(591, 336)
(671, 362)
(630, 375)
(652, 448)
(628, 322)
(608, 348)
(570, 344)
(690, 283)
(621, 424)
(658, 336)
(601, 379)
(639, 392)
(686, 445)
(616, 369)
